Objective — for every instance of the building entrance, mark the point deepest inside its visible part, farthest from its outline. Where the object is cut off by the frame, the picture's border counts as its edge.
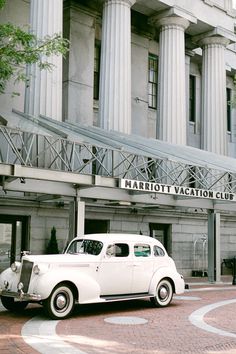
(14, 238)
(162, 232)
(96, 226)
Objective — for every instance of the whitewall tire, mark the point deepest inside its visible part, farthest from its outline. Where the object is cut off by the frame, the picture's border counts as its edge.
(60, 303)
(163, 294)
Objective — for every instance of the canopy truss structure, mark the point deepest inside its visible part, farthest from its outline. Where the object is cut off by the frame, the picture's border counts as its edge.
(120, 157)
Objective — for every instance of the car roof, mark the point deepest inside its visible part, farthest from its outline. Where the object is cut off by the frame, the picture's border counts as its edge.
(120, 237)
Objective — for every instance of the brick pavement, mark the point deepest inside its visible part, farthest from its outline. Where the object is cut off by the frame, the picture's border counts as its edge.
(166, 331)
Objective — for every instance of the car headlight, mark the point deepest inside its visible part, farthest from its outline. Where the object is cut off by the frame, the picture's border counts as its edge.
(36, 269)
(15, 267)
(40, 269)
(20, 286)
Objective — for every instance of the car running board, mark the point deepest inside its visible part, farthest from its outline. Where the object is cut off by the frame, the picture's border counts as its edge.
(126, 297)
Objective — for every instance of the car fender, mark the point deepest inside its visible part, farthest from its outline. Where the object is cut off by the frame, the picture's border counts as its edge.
(11, 277)
(165, 272)
(87, 288)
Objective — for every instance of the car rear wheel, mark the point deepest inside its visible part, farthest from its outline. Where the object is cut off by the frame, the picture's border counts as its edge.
(11, 305)
(163, 294)
(60, 303)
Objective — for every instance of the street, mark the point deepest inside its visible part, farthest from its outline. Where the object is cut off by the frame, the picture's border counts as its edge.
(201, 321)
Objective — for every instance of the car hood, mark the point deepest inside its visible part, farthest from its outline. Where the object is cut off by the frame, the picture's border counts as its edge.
(61, 258)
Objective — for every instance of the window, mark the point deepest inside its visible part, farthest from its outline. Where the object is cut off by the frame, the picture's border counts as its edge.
(152, 81)
(92, 247)
(158, 251)
(142, 250)
(118, 250)
(192, 98)
(97, 52)
(228, 98)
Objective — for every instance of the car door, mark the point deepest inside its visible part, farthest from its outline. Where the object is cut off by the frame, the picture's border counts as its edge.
(142, 268)
(115, 270)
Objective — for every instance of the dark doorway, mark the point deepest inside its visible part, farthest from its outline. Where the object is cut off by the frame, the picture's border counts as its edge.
(14, 238)
(96, 226)
(162, 232)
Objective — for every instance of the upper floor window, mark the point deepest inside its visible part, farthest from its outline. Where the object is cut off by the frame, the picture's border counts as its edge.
(228, 101)
(97, 52)
(192, 98)
(152, 81)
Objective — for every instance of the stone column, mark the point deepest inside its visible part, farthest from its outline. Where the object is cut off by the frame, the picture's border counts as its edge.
(44, 92)
(171, 125)
(80, 217)
(214, 262)
(214, 113)
(115, 75)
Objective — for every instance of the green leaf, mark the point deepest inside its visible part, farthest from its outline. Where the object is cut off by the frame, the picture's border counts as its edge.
(19, 48)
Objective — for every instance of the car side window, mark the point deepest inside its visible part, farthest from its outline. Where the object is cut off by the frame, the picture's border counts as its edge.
(118, 250)
(158, 251)
(85, 247)
(142, 250)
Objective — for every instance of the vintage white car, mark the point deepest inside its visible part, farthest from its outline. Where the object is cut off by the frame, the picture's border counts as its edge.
(94, 268)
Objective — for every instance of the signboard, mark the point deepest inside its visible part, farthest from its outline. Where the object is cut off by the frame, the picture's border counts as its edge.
(176, 190)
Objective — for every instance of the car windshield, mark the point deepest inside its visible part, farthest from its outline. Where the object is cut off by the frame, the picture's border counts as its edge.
(93, 247)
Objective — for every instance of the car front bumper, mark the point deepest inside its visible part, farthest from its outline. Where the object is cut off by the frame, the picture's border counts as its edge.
(20, 295)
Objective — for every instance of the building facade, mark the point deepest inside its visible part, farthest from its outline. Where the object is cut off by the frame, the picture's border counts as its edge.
(151, 70)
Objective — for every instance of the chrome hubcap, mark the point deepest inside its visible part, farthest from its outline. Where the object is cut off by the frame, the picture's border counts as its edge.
(163, 293)
(61, 301)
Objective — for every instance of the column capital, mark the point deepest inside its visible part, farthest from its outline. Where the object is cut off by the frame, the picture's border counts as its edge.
(172, 21)
(129, 3)
(214, 40)
(175, 16)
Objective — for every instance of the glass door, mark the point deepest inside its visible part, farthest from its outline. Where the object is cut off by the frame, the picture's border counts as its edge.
(14, 238)
(5, 245)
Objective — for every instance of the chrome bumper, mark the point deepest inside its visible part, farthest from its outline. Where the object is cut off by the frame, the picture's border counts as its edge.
(20, 295)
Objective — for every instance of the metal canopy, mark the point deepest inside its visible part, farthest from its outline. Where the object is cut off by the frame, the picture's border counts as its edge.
(149, 147)
(44, 143)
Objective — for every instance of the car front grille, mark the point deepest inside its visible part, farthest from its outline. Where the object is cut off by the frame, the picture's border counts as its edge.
(26, 271)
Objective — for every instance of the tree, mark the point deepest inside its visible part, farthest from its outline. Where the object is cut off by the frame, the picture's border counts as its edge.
(19, 48)
(52, 247)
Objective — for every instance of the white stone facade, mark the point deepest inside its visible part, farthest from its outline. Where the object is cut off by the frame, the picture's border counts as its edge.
(188, 38)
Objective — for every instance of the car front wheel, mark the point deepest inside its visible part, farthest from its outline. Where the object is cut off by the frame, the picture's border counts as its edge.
(11, 305)
(163, 294)
(60, 303)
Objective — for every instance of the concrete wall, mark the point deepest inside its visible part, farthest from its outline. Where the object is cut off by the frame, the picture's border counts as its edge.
(186, 227)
